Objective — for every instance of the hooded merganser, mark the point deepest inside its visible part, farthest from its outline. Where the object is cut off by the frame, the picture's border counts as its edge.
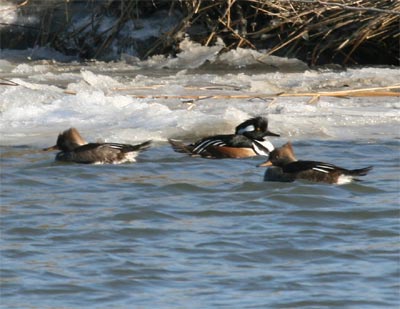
(286, 168)
(238, 145)
(75, 149)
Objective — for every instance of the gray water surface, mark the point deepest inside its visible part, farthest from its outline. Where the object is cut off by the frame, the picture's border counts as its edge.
(172, 231)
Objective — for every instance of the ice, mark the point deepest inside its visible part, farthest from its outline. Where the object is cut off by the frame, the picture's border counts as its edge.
(241, 57)
(35, 86)
(189, 100)
(5, 66)
(99, 81)
(192, 55)
(25, 68)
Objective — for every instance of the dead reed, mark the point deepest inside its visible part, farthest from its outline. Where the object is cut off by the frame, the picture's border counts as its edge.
(388, 91)
(346, 32)
(318, 32)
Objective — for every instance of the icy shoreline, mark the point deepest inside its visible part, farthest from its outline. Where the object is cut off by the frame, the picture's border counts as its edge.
(192, 95)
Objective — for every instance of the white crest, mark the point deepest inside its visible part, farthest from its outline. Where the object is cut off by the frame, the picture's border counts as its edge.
(249, 128)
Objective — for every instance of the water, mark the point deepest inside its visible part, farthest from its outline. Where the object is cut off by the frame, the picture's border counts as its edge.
(172, 231)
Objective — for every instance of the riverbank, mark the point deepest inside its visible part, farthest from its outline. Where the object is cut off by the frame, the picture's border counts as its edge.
(317, 32)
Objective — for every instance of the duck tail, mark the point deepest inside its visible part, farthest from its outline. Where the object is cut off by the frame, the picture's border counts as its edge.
(180, 147)
(359, 172)
(138, 147)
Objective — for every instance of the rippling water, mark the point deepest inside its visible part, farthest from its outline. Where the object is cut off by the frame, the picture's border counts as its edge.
(177, 232)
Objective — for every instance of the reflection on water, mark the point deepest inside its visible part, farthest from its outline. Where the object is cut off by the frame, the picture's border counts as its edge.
(172, 231)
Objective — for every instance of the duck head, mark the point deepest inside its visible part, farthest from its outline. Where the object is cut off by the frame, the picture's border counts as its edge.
(68, 140)
(281, 156)
(255, 128)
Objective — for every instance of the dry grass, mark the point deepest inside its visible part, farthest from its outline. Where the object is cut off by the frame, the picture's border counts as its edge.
(347, 32)
(319, 32)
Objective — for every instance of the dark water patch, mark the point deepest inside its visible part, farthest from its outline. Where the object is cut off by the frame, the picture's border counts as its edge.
(362, 187)
(305, 201)
(384, 232)
(19, 254)
(30, 183)
(84, 236)
(349, 215)
(26, 231)
(220, 245)
(143, 232)
(348, 302)
(333, 276)
(253, 187)
(148, 183)
(219, 213)
(248, 259)
(59, 289)
(177, 188)
(295, 254)
(142, 215)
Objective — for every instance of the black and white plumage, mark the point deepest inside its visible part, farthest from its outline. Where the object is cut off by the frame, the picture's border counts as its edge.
(286, 168)
(73, 150)
(238, 145)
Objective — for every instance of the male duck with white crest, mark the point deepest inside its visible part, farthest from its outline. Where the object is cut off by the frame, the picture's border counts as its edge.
(238, 145)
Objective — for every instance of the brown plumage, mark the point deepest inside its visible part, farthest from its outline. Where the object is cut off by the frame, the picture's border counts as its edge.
(286, 168)
(75, 149)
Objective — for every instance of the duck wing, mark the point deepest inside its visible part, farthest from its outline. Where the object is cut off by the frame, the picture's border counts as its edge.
(301, 166)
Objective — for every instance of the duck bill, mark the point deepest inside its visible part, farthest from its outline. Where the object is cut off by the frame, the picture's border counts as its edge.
(269, 133)
(266, 163)
(55, 147)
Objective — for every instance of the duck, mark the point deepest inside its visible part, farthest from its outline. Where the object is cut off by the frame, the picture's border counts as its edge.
(74, 148)
(237, 145)
(284, 167)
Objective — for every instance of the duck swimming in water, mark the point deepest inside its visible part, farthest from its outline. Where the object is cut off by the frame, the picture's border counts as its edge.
(75, 149)
(285, 167)
(238, 145)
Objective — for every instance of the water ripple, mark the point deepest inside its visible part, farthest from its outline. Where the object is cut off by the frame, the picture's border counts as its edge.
(172, 232)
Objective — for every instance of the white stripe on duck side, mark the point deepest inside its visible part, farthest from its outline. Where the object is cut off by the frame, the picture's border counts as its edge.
(114, 145)
(320, 170)
(323, 168)
(203, 145)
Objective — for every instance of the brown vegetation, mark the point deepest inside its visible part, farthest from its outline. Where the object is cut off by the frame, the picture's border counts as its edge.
(318, 32)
